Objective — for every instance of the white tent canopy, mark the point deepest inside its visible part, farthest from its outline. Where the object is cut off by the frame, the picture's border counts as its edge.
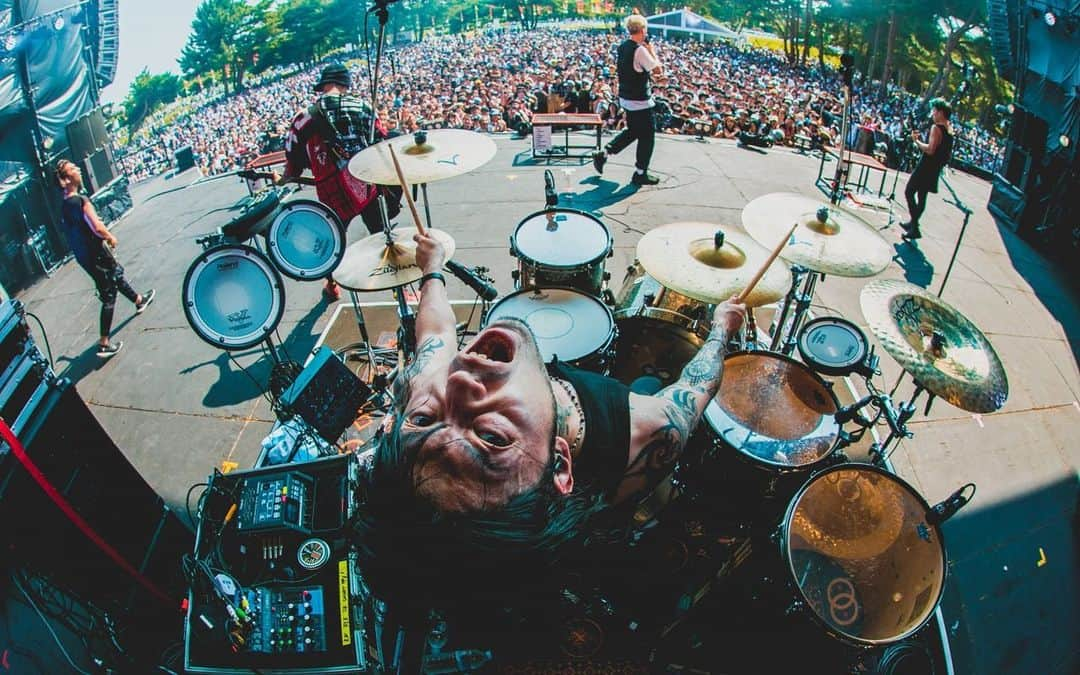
(683, 22)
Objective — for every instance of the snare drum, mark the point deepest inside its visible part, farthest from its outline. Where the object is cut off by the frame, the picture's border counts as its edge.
(305, 240)
(561, 247)
(567, 323)
(833, 346)
(860, 556)
(659, 332)
(776, 414)
(233, 297)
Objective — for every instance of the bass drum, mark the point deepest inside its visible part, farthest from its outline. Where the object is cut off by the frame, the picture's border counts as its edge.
(860, 555)
(233, 297)
(567, 323)
(659, 332)
(305, 240)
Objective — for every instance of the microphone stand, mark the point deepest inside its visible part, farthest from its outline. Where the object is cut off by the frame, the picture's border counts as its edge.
(963, 228)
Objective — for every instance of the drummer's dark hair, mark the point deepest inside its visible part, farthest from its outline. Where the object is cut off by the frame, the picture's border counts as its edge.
(417, 557)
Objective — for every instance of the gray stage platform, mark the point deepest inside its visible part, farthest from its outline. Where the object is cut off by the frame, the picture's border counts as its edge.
(179, 408)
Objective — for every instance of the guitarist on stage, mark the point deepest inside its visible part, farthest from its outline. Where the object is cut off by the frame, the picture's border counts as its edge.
(935, 153)
(323, 138)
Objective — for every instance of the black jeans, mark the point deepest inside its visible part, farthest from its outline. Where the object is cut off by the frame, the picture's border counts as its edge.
(639, 127)
(109, 279)
(915, 193)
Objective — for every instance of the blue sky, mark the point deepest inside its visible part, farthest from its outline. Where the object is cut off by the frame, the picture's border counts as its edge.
(152, 32)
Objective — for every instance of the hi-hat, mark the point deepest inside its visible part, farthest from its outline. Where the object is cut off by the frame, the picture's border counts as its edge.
(942, 350)
(440, 154)
(842, 243)
(371, 265)
(689, 258)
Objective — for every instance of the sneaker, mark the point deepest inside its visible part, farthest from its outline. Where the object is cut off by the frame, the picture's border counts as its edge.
(109, 350)
(331, 291)
(644, 179)
(147, 298)
(911, 233)
(599, 159)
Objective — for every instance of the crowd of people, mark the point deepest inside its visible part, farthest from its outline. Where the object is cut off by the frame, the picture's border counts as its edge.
(495, 81)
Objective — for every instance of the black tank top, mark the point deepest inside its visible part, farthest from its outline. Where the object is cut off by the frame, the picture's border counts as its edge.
(633, 86)
(601, 462)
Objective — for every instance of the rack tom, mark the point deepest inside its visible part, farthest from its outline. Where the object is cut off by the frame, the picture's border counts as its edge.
(561, 247)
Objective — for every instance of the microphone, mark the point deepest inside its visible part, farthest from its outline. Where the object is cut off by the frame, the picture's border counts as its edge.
(849, 412)
(947, 508)
(551, 198)
(470, 279)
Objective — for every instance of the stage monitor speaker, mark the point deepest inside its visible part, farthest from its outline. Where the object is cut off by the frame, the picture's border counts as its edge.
(1029, 131)
(99, 169)
(87, 134)
(79, 459)
(185, 159)
(1007, 203)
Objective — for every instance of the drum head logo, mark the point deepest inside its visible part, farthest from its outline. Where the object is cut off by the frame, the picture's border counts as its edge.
(843, 608)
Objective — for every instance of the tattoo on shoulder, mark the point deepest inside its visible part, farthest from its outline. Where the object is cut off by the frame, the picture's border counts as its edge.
(667, 442)
(423, 356)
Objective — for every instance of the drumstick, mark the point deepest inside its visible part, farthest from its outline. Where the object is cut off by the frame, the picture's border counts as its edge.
(765, 267)
(405, 190)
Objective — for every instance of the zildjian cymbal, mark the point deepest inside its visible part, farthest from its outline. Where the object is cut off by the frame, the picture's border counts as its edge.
(942, 350)
(841, 243)
(691, 259)
(440, 154)
(371, 265)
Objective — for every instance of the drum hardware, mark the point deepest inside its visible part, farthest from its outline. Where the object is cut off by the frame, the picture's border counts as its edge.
(948, 507)
(783, 333)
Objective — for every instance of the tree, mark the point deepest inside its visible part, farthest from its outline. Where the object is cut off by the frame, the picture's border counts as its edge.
(147, 92)
(224, 37)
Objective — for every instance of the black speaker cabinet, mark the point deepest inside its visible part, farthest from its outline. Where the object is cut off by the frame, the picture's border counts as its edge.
(79, 460)
(87, 134)
(99, 169)
(185, 159)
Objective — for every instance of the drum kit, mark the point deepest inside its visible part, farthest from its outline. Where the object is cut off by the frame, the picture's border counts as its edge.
(776, 426)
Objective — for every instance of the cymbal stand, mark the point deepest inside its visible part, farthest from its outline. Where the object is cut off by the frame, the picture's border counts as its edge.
(785, 335)
(895, 416)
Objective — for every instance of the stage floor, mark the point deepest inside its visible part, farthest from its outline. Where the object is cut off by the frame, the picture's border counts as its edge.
(180, 408)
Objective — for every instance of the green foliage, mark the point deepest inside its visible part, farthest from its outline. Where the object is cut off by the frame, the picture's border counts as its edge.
(147, 93)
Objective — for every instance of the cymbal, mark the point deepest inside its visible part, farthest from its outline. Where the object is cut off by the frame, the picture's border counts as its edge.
(371, 265)
(844, 244)
(445, 154)
(942, 350)
(684, 257)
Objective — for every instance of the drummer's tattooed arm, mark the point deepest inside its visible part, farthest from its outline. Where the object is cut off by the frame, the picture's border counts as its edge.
(423, 356)
(661, 424)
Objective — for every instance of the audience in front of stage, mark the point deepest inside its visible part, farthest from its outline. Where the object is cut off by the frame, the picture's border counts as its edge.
(495, 81)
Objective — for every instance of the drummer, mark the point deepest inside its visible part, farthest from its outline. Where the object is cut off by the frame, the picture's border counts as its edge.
(491, 450)
(323, 138)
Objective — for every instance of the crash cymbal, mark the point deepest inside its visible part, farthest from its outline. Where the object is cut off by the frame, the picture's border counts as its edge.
(684, 257)
(942, 350)
(445, 153)
(843, 244)
(371, 265)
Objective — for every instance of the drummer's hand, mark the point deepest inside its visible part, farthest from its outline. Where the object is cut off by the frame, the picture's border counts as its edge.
(430, 253)
(729, 316)
(275, 178)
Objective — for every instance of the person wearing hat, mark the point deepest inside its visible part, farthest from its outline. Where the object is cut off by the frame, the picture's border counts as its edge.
(323, 138)
(935, 155)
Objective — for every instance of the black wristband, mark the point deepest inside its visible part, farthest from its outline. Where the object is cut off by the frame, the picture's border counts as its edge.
(432, 275)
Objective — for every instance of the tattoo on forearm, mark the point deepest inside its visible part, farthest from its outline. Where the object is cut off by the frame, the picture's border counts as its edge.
(424, 353)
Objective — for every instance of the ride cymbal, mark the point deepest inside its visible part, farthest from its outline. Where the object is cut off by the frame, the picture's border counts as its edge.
(442, 154)
(942, 350)
(371, 265)
(685, 258)
(842, 243)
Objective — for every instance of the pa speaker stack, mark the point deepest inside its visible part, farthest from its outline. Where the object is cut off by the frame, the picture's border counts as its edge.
(91, 149)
